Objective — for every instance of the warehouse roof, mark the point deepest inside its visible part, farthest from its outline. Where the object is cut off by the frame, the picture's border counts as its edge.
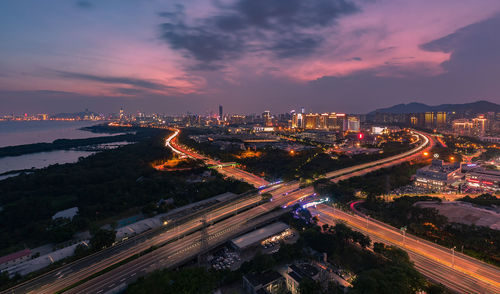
(253, 237)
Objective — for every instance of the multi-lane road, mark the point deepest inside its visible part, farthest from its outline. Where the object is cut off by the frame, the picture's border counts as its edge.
(179, 243)
(458, 272)
(189, 246)
(233, 172)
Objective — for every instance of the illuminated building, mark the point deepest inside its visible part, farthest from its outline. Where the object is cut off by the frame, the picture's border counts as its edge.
(436, 176)
(483, 178)
(475, 127)
(311, 121)
(479, 125)
(429, 119)
(121, 113)
(268, 122)
(353, 124)
(462, 127)
(237, 119)
(297, 121)
(441, 119)
(324, 121)
(413, 121)
(221, 113)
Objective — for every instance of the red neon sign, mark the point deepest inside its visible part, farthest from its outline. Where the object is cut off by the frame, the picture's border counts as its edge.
(473, 181)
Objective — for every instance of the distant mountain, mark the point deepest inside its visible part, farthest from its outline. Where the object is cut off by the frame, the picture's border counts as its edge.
(474, 107)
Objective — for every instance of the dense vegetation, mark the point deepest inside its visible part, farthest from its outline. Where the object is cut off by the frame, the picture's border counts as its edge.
(479, 242)
(483, 199)
(103, 186)
(376, 183)
(64, 144)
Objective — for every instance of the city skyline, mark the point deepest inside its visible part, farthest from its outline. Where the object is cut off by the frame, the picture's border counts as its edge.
(348, 56)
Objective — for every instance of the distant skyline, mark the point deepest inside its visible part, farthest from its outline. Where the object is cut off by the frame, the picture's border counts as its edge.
(247, 55)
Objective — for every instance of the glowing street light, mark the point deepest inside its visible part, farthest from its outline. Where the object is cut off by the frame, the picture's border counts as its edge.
(426, 153)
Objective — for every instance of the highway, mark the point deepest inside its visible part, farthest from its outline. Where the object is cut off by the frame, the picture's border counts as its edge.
(456, 271)
(285, 195)
(66, 276)
(233, 172)
(73, 272)
(188, 247)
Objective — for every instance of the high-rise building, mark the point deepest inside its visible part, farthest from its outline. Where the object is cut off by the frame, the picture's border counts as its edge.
(311, 121)
(121, 113)
(221, 113)
(462, 127)
(480, 124)
(323, 121)
(475, 127)
(353, 124)
(429, 119)
(441, 119)
(413, 121)
(266, 116)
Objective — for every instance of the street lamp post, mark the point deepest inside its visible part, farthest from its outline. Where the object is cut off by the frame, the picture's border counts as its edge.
(403, 230)
(453, 256)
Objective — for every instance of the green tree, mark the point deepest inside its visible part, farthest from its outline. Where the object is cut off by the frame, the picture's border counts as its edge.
(102, 239)
(309, 286)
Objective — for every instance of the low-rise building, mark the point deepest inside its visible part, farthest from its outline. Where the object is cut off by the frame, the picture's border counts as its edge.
(437, 176)
(67, 213)
(253, 238)
(479, 177)
(269, 282)
(14, 258)
(296, 273)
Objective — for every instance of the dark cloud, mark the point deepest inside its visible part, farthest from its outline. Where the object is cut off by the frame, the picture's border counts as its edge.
(285, 28)
(474, 47)
(84, 4)
(202, 44)
(145, 84)
(297, 45)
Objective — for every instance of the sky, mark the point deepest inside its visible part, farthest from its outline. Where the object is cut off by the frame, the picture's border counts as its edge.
(176, 57)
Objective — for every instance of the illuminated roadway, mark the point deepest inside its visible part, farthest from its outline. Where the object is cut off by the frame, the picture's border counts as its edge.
(67, 276)
(189, 246)
(234, 172)
(456, 271)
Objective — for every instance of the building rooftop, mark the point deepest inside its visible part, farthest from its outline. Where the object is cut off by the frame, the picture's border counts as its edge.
(304, 270)
(14, 256)
(263, 278)
(438, 170)
(253, 237)
(67, 213)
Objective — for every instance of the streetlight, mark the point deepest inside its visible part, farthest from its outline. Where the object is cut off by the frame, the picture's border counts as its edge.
(403, 230)
(453, 256)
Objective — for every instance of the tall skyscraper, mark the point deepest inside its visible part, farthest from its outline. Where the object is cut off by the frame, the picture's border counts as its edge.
(429, 119)
(221, 113)
(353, 124)
(441, 119)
